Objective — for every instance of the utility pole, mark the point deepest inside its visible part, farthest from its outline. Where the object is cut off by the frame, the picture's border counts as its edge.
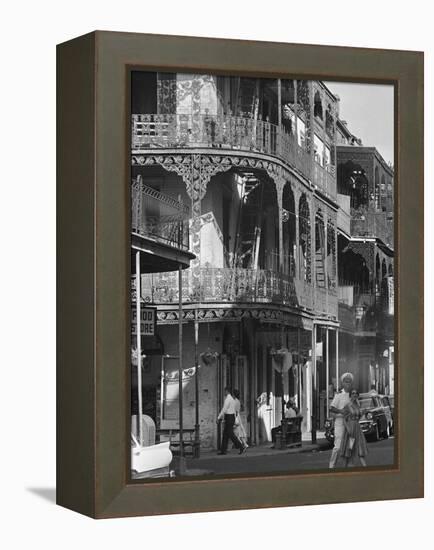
(314, 389)
(139, 349)
(181, 443)
(196, 385)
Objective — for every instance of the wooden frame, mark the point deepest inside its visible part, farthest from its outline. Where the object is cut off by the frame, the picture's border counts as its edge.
(93, 273)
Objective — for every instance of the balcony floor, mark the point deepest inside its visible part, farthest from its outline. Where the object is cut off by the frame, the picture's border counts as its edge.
(157, 256)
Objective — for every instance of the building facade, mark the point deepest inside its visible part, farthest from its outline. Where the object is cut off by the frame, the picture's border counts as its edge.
(365, 263)
(254, 163)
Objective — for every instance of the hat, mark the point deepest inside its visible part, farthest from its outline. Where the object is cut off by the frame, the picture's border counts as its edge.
(347, 375)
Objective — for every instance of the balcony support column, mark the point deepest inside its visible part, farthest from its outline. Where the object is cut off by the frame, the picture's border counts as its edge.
(327, 372)
(297, 194)
(335, 157)
(312, 211)
(336, 256)
(280, 184)
(310, 127)
(277, 175)
(279, 200)
(279, 116)
(196, 385)
(326, 273)
(180, 371)
(314, 386)
(323, 130)
(337, 359)
(139, 349)
(295, 111)
(279, 102)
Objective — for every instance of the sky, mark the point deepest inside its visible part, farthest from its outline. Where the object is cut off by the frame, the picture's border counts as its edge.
(368, 109)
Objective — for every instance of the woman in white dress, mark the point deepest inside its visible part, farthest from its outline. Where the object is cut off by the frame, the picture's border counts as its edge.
(239, 429)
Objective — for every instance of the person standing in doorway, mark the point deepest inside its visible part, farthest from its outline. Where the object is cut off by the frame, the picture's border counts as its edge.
(337, 407)
(228, 414)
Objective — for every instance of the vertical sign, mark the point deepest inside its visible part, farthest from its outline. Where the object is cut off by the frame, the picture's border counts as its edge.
(391, 295)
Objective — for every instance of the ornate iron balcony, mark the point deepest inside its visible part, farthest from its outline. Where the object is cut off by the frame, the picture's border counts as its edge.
(229, 132)
(237, 285)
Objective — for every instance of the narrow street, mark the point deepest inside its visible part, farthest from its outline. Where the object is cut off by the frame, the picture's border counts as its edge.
(380, 454)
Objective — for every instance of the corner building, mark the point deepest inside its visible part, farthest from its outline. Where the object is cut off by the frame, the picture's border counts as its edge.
(254, 162)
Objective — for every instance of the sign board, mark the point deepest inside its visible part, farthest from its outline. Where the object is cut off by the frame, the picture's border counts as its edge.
(148, 321)
(391, 295)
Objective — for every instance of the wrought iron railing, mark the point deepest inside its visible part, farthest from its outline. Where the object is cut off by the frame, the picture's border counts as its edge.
(325, 178)
(159, 216)
(372, 224)
(229, 132)
(220, 285)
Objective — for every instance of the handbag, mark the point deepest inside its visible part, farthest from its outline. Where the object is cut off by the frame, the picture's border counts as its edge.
(237, 421)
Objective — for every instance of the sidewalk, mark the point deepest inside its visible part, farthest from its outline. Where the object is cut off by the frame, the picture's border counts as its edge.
(198, 466)
(266, 449)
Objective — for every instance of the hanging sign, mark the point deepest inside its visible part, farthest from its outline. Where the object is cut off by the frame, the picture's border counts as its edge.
(148, 321)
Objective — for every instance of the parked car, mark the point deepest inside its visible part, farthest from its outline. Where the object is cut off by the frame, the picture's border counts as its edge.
(391, 399)
(150, 461)
(376, 420)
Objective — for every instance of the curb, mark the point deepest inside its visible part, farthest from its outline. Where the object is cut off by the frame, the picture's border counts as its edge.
(323, 446)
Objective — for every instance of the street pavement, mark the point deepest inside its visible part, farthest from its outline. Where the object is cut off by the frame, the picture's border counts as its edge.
(265, 460)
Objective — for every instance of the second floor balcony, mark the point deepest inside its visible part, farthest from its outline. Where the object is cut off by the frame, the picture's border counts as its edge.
(240, 286)
(181, 131)
(363, 310)
(366, 223)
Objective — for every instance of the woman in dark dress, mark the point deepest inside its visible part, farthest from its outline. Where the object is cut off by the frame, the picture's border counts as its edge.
(353, 442)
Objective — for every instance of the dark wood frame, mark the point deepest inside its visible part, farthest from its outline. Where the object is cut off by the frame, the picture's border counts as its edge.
(93, 273)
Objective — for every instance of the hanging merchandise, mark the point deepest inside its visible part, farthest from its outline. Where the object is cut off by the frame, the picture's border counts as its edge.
(209, 356)
(282, 360)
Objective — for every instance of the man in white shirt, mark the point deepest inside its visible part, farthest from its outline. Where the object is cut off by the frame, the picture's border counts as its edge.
(337, 408)
(228, 415)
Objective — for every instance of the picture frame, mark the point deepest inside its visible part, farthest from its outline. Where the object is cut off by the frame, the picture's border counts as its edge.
(93, 226)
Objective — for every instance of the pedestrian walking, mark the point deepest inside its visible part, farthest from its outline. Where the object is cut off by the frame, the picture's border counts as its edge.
(239, 431)
(337, 406)
(227, 414)
(353, 442)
